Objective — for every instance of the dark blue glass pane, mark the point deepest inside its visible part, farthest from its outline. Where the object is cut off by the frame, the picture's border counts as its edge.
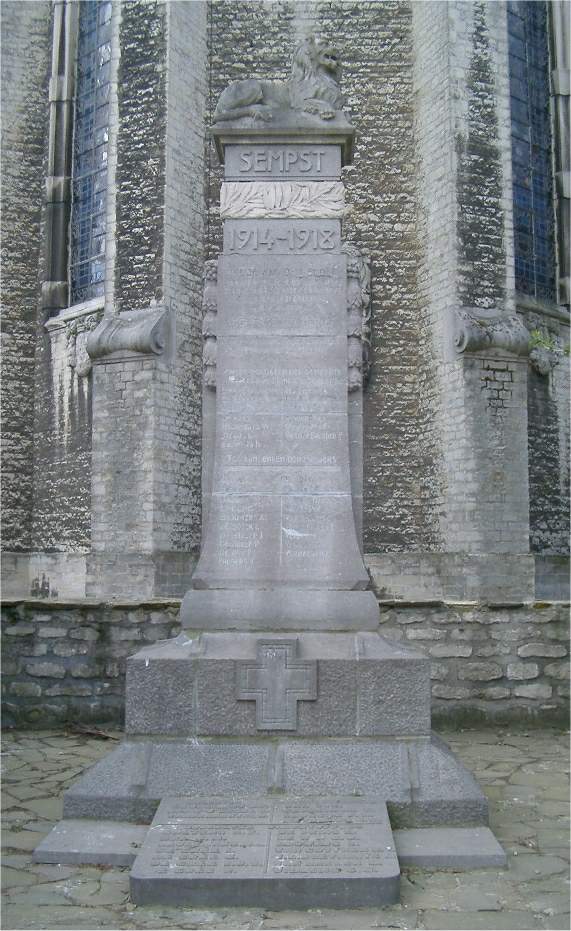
(531, 149)
(91, 138)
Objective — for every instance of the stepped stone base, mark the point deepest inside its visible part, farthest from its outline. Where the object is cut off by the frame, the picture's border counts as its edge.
(420, 780)
(255, 754)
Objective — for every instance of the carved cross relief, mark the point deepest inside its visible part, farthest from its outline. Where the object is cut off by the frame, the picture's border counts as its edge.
(276, 682)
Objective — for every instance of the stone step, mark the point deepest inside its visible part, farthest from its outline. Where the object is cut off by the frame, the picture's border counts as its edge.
(449, 848)
(268, 852)
(83, 840)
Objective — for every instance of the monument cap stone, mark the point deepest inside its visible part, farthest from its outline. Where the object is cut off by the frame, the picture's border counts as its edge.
(286, 128)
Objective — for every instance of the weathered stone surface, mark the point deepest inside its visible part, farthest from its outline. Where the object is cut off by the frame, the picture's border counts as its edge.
(189, 687)
(541, 649)
(522, 670)
(420, 779)
(294, 852)
(483, 672)
(536, 690)
(107, 843)
(293, 161)
(449, 848)
(276, 680)
(303, 609)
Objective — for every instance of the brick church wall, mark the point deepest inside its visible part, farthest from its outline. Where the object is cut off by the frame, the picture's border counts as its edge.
(25, 65)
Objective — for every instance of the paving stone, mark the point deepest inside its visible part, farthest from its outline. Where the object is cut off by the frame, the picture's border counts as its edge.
(49, 808)
(519, 815)
(529, 867)
(21, 840)
(66, 918)
(473, 921)
(13, 877)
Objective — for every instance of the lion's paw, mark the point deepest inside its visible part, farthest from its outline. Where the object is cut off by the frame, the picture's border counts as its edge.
(261, 113)
(327, 114)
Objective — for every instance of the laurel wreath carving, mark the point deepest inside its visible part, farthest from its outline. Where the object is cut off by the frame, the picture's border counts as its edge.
(292, 199)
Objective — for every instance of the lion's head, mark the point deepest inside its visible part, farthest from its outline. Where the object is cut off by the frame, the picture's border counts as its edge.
(316, 71)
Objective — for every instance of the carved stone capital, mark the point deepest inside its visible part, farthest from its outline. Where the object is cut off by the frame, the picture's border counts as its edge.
(478, 329)
(280, 199)
(142, 331)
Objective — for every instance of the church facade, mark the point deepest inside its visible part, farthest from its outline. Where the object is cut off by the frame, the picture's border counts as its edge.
(458, 194)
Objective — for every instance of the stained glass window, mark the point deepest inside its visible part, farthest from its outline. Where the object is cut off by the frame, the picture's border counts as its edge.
(91, 136)
(534, 219)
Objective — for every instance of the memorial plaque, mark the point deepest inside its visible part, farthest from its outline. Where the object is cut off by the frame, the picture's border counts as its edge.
(280, 508)
(290, 853)
(291, 295)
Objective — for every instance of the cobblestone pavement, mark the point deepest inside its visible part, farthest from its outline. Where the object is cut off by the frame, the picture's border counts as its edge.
(524, 774)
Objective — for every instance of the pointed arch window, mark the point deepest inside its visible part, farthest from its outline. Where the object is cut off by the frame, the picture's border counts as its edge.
(90, 151)
(534, 217)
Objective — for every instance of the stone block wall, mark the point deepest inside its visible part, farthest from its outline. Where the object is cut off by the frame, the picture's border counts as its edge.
(65, 662)
(25, 68)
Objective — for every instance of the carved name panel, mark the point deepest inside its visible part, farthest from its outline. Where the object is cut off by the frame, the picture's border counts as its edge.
(287, 295)
(214, 849)
(244, 162)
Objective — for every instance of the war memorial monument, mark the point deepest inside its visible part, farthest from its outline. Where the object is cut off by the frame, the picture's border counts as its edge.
(278, 752)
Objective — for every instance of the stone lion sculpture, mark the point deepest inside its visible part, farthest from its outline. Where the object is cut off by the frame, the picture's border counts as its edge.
(312, 88)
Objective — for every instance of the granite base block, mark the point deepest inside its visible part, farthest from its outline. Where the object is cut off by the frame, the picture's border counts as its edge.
(366, 686)
(449, 848)
(420, 780)
(82, 840)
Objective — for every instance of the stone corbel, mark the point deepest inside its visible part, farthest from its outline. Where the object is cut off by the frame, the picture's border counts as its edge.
(77, 334)
(142, 331)
(358, 315)
(543, 360)
(209, 310)
(478, 329)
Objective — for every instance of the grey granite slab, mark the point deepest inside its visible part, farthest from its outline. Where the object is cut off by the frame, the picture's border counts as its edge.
(278, 853)
(449, 848)
(422, 782)
(129, 783)
(281, 295)
(363, 686)
(81, 840)
(284, 162)
(286, 127)
(258, 609)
